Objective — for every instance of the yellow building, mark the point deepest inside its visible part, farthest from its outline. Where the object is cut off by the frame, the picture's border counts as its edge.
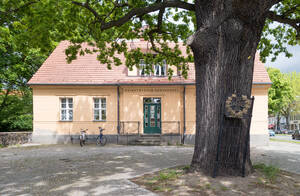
(86, 95)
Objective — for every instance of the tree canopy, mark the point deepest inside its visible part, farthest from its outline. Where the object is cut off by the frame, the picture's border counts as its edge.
(44, 23)
(281, 93)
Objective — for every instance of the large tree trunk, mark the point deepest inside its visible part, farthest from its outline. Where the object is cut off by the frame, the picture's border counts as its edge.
(278, 122)
(224, 48)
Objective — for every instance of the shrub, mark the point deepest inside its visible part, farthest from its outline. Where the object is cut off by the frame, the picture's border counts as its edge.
(21, 123)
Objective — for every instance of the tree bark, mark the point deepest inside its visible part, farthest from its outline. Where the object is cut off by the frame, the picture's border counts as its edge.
(278, 122)
(226, 39)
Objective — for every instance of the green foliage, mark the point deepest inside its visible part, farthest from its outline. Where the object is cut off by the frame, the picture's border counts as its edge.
(295, 81)
(168, 175)
(43, 23)
(19, 60)
(281, 93)
(270, 172)
(22, 123)
(282, 34)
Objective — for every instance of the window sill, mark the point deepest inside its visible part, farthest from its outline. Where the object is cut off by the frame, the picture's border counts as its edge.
(65, 120)
(99, 120)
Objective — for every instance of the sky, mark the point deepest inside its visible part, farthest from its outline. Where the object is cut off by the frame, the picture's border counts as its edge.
(287, 64)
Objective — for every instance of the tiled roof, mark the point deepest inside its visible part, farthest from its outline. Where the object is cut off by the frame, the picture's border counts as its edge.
(87, 70)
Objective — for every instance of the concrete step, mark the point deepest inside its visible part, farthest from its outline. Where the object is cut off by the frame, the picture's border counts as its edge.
(145, 143)
(149, 138)
(150, 135)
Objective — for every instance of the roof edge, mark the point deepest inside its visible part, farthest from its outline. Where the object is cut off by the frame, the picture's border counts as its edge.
(110, 84)
(123, 84)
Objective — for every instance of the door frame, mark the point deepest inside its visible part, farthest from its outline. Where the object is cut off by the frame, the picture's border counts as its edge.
(149, 104)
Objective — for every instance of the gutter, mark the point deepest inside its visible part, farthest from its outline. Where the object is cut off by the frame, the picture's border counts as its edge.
(124, 84)
(184, 117)
(118, 109)
(109, 84)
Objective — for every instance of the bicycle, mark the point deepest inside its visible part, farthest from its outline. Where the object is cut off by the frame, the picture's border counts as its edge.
(101, 139)
(82, 136)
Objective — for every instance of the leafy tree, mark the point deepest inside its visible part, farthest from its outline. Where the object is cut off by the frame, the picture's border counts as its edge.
(281, 94)
(223, 36)
(294, 77)
(15, 96)
(18, 62)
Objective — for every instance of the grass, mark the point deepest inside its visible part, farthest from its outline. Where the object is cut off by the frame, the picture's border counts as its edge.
(168, 175)
(161, 181)
(270, 172)
(178, 181)
(2, 146)
(280, 140)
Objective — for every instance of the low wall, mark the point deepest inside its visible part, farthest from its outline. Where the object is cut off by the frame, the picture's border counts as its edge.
(13, 138)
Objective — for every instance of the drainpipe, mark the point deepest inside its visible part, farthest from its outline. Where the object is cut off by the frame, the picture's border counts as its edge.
(184, 124)
(118, 109)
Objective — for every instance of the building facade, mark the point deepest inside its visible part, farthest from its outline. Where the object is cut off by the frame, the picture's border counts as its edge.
(127, 103)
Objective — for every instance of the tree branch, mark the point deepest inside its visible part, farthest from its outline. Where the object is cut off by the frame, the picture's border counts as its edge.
(6, 13)
(295, 23)
(290, 11)
(137, 12)
(87, 6)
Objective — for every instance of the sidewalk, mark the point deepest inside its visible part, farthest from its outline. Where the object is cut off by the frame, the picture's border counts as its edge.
(284, 155)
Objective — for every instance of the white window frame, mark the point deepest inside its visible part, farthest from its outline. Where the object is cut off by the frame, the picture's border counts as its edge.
(143, 69)
(67, 108)
(161, 68)
(101, 107)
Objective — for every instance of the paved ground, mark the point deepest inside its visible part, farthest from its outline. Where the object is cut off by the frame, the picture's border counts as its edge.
(71, 170)
(284, 137)
(280, 154)
(92, 170)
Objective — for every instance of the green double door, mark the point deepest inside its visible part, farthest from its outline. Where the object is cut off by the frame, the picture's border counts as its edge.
(152, 116)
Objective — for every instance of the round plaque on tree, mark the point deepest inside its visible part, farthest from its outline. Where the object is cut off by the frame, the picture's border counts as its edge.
(238, 106)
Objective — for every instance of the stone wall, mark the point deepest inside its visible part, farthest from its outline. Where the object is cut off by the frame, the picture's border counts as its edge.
(13, 138)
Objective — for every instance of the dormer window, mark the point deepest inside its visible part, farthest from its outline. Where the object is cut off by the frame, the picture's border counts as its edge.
(143, 68)
(160, 70)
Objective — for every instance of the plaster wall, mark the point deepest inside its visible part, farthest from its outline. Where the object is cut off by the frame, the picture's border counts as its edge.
(47, 122)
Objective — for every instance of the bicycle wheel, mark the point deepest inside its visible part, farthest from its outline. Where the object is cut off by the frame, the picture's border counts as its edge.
(103, 140)
(98, 140)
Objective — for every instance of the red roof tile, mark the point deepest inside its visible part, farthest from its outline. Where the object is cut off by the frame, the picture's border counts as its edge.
(87, 70)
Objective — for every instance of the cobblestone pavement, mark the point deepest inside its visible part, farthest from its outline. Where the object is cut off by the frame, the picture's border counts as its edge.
(92, 170)
(280, 154)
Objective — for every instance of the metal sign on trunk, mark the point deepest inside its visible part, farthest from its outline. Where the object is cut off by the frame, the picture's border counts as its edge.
(238, 106)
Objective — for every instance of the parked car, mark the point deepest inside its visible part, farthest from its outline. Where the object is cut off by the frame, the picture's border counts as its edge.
(296, 135)
(290, 131)
(271, 132)
(278, 131)
(284, 131)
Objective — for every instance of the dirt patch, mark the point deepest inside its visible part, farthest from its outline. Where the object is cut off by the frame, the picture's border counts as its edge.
(264, 181)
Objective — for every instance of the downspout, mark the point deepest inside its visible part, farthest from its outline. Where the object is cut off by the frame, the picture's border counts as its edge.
(184, 120)
(118, 109)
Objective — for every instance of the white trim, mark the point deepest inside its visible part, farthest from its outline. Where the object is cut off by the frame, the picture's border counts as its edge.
(67, 109)
(100, 109)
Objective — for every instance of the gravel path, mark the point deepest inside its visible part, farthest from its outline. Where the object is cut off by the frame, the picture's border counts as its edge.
(71, 170)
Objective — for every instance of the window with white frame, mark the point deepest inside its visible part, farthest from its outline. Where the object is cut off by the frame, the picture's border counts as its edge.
(143, 68)
(66, 109)
(99, 109)
(160, 69)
